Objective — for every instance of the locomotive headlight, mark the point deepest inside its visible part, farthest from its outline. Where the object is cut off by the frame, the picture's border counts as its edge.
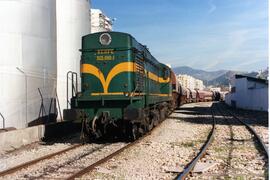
(105, 39)
(126, 94)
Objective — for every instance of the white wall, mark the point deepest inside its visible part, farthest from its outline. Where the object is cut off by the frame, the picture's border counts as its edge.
(27, 42)
(258, 99)
(28, 30)
(246, 97)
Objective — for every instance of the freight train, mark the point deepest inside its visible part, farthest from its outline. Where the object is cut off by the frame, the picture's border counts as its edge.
(124, 89)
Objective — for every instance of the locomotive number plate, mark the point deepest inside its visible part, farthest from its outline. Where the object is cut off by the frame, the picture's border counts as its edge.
(105, 58)
(105, 55)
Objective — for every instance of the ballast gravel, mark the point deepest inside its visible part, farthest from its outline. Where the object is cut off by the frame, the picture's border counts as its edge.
(162, 155)
(64, 165)
(10, 160)
(234, 151)
(258, 120)
(165, 152)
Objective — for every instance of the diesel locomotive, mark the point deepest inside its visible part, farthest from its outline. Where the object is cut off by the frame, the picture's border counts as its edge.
(124, 89)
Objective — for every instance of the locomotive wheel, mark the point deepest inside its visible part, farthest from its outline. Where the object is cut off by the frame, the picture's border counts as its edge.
(162, 115)
(156, 118)
(86, 135)
(135, 132)
(84, 126)
(150, 124)
(167, 112)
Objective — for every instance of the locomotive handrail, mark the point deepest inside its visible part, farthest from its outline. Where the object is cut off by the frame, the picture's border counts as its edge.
(57, 99)
(42, 109)
(4, 120)
(74, 89)
(133, 92)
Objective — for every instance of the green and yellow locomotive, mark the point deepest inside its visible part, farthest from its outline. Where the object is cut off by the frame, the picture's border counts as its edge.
(123, 87)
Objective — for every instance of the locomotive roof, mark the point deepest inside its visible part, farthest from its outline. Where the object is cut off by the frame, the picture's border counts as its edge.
(135, 44)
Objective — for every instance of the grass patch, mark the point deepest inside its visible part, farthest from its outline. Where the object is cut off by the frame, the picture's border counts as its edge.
(187, 144)
(219, 149)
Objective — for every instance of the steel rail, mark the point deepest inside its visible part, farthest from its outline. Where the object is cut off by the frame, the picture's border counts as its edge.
(188, 169)
(94, 165)
(101, 161)
(258, 138)
(30, 163)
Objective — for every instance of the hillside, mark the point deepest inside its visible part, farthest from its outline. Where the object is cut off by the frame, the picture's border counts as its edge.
(216, 78)
(224, 79)
(199, 74)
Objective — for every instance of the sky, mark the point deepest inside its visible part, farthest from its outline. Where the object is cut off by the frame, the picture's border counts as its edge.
(203, 34)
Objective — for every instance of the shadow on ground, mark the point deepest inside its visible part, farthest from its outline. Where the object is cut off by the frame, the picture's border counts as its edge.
(203, 115)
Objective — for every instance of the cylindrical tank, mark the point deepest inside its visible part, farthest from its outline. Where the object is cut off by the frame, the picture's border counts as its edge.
(28, 59)
(73, 22)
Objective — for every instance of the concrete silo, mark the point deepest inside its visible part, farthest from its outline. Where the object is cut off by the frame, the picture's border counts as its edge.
(73, 22)
(27, 59)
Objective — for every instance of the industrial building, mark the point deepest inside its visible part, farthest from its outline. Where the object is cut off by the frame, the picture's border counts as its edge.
(39, 44)
(248, 93)
(100, 22)
(190, 82)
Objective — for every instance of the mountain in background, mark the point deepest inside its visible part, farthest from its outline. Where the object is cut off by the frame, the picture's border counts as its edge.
(199, 74)
(214, 78)
(224, 79)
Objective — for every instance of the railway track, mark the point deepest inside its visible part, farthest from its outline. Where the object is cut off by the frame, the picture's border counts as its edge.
(84, 169)
(101, 161)
(188, 169)
(35, 161)
(251, 130)
(229, 116)
(256, 119)
(50, 170)
(110, 156)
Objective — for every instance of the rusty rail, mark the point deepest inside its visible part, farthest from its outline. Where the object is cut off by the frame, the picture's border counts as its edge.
(30, 163)
(258, 138)
(94, 165)
(188, 169)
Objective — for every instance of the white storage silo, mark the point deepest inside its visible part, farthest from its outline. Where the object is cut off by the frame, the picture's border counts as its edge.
(73, 22)
(27, 59)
